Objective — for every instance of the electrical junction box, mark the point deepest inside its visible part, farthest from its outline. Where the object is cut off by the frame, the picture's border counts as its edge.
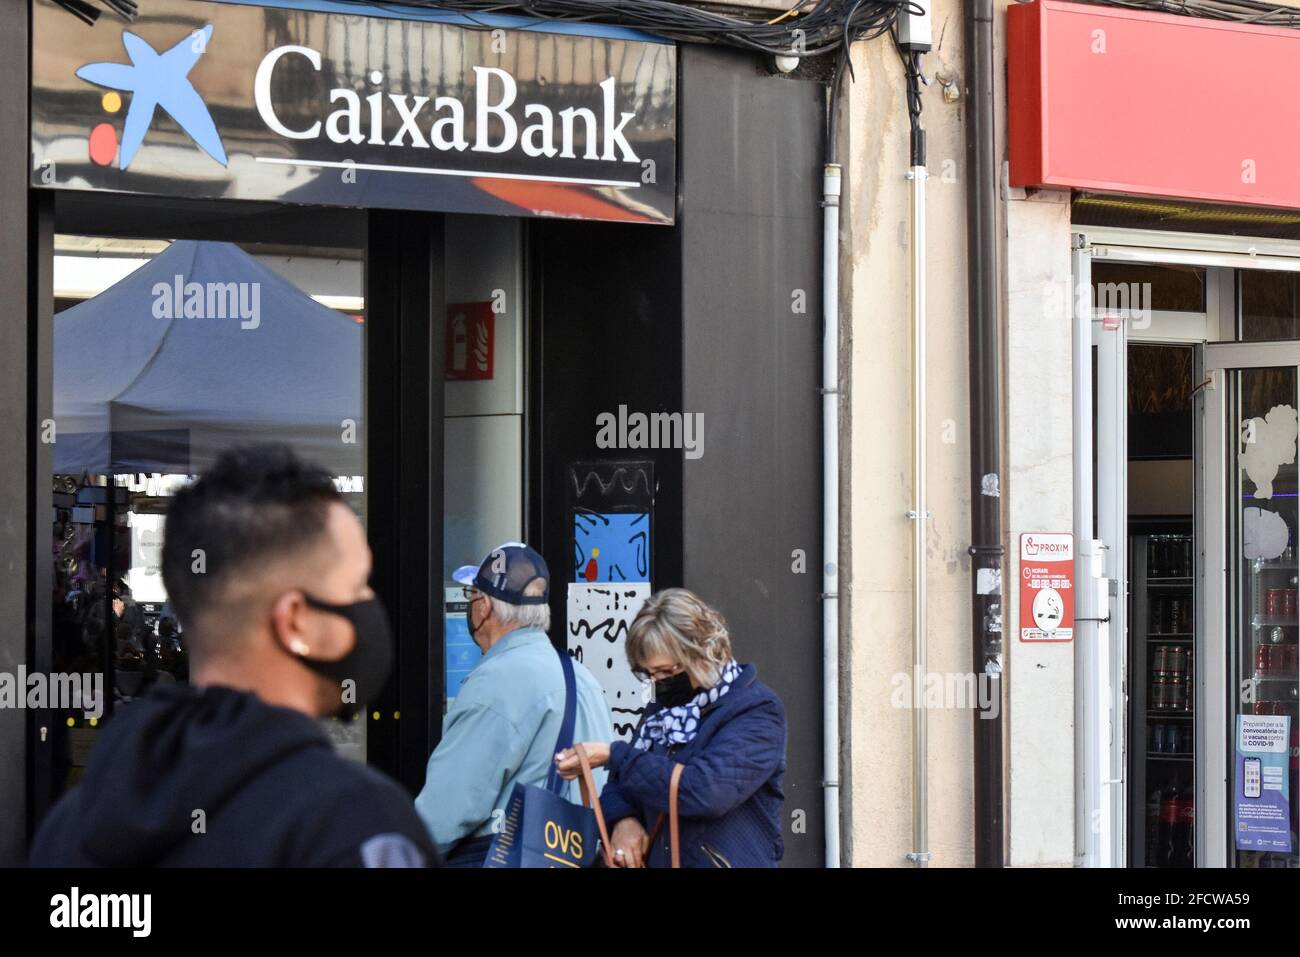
(914, 32)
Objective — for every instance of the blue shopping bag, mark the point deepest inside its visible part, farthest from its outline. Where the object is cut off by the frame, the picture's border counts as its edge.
(541, 828)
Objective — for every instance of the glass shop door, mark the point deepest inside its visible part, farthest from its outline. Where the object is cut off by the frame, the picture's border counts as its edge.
(1246, 668)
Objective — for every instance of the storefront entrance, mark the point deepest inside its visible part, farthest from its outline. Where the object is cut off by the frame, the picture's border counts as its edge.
(505, 303)
(1195, 362)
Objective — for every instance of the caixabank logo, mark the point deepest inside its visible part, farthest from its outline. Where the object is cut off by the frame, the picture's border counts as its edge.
(216, 100)
(153, 80)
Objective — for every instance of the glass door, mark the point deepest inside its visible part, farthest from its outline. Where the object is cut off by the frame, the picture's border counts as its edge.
(1246, 667)
(166, 353)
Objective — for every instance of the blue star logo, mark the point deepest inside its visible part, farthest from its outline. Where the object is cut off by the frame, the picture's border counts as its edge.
(154, 80)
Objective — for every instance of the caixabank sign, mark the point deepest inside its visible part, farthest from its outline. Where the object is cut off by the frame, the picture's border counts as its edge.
(296, 102)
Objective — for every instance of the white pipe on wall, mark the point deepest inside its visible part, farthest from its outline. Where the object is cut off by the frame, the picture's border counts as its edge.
(919, 515)
(831, 510)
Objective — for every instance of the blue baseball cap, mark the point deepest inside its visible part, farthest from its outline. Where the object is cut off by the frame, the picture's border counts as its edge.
(506, 574)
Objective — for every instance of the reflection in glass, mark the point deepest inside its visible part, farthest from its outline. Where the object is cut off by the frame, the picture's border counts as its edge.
(165, 355)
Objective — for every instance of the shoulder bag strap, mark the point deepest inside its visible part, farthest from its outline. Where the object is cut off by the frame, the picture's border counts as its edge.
(674, 836)
(555, 783)
(590, 799)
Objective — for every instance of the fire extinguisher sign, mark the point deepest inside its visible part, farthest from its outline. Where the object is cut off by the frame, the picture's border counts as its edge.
(470, 340)
(1046, 586)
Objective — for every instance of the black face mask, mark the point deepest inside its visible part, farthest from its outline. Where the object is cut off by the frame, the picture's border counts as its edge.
(368, 663)
(469, 620)
(674, 691)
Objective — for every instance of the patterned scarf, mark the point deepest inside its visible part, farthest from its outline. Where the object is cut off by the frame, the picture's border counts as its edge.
(679, 725)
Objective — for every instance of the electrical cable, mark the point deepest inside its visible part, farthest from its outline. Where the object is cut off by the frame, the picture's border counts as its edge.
(809, 28)
(822, 26)
(912, 71)
(1258, 12)
(88, 13)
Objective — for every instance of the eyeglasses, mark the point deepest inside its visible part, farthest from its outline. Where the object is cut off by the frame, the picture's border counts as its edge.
(658, 674)
(470, 592)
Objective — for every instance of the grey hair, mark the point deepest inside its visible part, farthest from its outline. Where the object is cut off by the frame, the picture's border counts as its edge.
(524, 616)
(677, 623)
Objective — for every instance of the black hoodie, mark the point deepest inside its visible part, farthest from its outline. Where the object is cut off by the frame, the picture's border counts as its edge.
(271, 790)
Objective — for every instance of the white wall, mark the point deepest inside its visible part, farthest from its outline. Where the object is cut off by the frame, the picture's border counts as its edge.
(483, 454)
(1039, 490)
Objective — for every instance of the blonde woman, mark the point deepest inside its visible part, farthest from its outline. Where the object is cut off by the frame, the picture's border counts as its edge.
(714, 717)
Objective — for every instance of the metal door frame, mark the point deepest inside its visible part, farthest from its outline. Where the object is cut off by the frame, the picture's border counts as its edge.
(1101, 533)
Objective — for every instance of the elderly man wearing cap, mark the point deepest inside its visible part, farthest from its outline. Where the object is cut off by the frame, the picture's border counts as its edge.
(502, 727)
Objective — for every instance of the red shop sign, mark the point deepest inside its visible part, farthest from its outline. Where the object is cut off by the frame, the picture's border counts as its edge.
(1046, 586)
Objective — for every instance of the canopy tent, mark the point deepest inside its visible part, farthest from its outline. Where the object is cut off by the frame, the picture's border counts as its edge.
(134, 392)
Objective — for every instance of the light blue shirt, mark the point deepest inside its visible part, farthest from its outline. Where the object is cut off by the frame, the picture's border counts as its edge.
(501, 731)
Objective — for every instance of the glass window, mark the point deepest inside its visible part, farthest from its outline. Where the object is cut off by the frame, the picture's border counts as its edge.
(1125, 287)
(1160, 382)
(165, 355)
(1268, 302)
(1262, 661)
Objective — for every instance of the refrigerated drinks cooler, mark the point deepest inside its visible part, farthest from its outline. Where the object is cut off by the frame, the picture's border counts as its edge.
(1267, 668)
(1262, 680)
(1161, 740)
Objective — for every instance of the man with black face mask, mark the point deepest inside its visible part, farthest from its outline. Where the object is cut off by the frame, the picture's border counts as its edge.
(268, 571)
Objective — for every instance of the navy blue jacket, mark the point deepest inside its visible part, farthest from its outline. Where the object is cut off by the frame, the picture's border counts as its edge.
(729, 800)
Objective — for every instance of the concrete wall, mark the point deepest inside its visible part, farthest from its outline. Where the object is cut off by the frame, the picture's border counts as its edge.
(876, 298)
(1037, 489)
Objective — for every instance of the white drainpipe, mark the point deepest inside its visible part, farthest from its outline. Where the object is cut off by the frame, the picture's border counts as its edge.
(831, 510)
(920, 854)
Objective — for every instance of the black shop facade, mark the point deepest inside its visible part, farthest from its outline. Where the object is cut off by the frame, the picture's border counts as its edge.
(434, 255)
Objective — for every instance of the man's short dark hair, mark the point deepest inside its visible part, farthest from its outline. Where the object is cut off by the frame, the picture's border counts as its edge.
(254, 504)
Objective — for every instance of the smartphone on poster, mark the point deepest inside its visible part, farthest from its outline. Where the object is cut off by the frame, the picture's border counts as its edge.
(1251, 783)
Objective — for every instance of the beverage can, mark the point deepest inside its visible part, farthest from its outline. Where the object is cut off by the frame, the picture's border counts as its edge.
(1273, 602)
(1177, 694)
